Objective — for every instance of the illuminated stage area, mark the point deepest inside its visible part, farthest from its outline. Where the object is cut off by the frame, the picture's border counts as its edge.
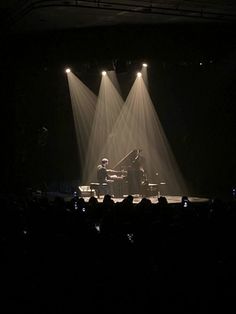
(87, 194)
(127, 133)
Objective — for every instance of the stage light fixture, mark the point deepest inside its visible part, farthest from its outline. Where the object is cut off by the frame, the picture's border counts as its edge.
(145, 65)
(139, 74)
(104, 73)
(68, 70)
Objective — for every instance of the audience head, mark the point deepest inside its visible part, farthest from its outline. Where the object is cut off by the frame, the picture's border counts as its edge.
(162, 200)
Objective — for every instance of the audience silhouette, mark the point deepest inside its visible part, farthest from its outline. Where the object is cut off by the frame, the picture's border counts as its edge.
(124, 256)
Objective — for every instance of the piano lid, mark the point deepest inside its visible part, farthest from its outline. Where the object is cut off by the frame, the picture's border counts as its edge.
(126, 161)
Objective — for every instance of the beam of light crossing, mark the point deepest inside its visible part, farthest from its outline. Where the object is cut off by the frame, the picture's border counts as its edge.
(138, 127)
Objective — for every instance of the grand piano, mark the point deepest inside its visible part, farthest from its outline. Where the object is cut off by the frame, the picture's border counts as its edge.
(128, 177)
(130, 168)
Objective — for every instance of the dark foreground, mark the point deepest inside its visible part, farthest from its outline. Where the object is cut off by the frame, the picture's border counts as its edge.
(85, 256)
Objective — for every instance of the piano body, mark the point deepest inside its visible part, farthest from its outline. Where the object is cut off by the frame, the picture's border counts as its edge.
(130, 180)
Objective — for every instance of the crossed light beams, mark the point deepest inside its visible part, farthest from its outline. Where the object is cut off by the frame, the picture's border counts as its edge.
(121, 141)
(120, 127)
(138, 127)
(83, 102)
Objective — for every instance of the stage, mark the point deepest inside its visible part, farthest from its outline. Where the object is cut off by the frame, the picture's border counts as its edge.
(136, 198)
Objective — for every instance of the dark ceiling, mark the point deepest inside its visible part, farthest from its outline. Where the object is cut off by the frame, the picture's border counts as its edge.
(19, 16)
(151, 26)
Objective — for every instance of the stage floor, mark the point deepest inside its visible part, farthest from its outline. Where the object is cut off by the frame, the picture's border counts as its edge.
(136, 198)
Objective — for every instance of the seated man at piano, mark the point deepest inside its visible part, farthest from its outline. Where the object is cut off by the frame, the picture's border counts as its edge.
(106, 177)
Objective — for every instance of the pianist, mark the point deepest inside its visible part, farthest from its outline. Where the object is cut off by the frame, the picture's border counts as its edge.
(106, 177)
(103, 177)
